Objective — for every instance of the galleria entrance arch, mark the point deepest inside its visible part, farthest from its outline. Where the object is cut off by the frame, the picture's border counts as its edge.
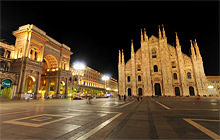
(41, 56)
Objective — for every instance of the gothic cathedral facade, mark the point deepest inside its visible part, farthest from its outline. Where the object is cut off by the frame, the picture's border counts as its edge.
(159, 69)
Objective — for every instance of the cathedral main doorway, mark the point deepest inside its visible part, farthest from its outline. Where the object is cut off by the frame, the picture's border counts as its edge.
(191, 91)
(177, 91)
(129, 91)
(157, 89)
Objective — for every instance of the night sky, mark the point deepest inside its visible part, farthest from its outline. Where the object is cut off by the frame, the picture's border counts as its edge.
(95, 31)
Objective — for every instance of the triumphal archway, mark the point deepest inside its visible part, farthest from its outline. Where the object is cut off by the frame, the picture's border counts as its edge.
(42, 63)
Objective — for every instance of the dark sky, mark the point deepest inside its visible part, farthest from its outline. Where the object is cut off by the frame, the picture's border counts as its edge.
(95, 31)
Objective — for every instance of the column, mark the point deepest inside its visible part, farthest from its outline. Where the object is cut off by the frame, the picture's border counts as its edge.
(66, 87)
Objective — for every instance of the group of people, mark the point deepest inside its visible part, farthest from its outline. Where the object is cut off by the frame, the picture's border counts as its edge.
(137, 98)
(123, 96)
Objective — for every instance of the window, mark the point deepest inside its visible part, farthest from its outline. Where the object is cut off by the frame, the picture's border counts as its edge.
(217, 81)
(155, 68)
(138, 67)
(175, 76)
(139, 78)
(35, 56)
(189, 75)
(154, 55)
(212, 81)
(173, 64)
(129, 79)
(2, 51)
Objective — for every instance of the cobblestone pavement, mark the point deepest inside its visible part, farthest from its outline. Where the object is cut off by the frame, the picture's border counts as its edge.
(109, 118)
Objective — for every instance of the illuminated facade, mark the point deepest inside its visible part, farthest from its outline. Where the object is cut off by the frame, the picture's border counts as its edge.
(213, 85)
(37, 65)
(90, 82)
(158, 68)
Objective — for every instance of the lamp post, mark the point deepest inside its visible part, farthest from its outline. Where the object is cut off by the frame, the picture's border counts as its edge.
(78, 66)
(105, 78)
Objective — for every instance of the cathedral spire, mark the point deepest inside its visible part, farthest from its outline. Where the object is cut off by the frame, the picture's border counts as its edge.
(164, 34)
(132, 46)
(123, 59)
(141, 35)
(177, 40)
(160, 35)
(145, 35)
(192, 49)
(197, 49)
(119, 57)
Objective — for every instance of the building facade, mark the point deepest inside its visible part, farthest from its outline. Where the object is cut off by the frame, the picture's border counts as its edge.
(213, 85)
(158, 68)
(36, 65)
(90, 82)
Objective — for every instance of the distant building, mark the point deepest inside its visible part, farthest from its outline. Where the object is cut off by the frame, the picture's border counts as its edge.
(90, 82)
(38, 65)
(213, 85)
(158, 68)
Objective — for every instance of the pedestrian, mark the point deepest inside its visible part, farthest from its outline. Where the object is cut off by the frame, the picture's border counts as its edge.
(138, 98)
(119, 97)
(196, 99)
(141, 97)
(124, 97)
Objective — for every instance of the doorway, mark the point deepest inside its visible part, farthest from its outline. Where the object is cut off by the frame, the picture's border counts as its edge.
(129, 91)
(177, 91)
(140, 91)
(191, 91)
(157, 89)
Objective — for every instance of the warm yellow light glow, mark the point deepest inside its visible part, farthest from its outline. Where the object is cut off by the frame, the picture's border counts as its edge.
(116, 90)
(48, 69)
(53, 69)
(33, 78)
(16, 56)
(56, 68)
(210, 87)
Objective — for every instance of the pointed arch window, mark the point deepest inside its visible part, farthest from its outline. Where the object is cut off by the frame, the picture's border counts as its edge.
(175, 76)
(189, 76)
(129, 79)
(139, 78)
(154, 53)
(155, 68)
(173, 64)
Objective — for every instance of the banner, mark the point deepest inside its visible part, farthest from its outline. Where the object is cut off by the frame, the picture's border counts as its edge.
(6, 83)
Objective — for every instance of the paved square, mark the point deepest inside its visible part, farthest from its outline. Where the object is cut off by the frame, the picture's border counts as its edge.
(38, 120)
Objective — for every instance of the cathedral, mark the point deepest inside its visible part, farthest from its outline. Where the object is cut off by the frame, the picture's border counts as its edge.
(160, 69)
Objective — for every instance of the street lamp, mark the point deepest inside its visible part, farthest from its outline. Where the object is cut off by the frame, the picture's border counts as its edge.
(105, 78)
(78, 66)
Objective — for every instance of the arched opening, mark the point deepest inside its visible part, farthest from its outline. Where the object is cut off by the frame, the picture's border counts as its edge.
(140, 91)
(189, 75)
(157, 89)
(175, 76)
(154, 55)
(155, 68)
(129, 79)
(29, 87)
(62, 87)
(50, 64)
(48, 79)
(6, 89)
(191, 91)
(177, 91)
(129, 91)
(139, 78)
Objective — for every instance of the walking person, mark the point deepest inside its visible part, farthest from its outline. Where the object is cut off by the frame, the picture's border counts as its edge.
(138, 98)
(124, 97)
